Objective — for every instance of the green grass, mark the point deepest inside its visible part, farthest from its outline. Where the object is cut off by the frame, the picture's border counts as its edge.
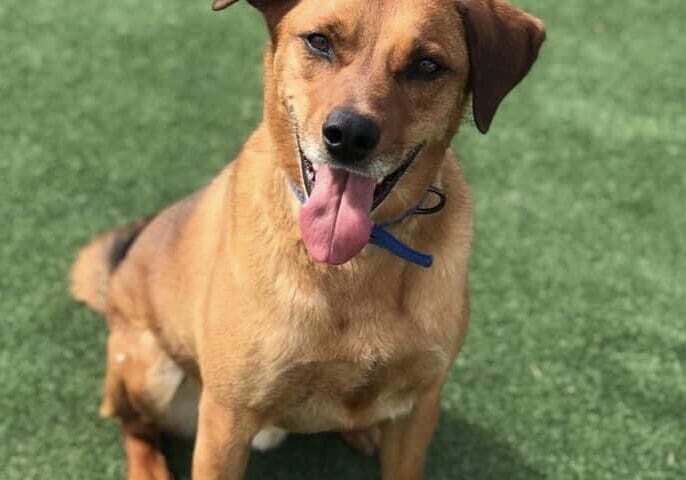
(575, 366)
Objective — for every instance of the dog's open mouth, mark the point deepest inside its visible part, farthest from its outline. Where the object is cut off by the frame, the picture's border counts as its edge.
(383, 188)
(335, 219)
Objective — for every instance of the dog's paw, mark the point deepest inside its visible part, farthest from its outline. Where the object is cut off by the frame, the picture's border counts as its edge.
(268, 439)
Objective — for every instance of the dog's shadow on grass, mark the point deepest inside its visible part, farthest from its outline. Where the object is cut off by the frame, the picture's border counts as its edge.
(460, 450)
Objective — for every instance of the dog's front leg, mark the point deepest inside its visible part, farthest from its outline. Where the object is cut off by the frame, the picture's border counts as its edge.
(222, 448)
(405, 441)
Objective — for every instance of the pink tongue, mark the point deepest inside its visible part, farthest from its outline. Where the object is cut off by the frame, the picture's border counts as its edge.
(335, 223)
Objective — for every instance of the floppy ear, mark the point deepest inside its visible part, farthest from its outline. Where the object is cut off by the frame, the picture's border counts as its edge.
(222, 4)
(503, 44)
(259, 4)
(273, 10)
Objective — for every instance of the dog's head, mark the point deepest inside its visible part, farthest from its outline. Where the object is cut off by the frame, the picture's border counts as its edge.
(369, 90)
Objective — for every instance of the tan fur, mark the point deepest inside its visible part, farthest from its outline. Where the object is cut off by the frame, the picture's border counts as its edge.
(218, 293)
(90, 274)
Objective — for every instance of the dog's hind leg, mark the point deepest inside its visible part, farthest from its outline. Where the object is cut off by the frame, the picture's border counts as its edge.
(144, 457)
(147, 392)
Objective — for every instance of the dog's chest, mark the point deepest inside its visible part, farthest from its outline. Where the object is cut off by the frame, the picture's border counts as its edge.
(342, 365)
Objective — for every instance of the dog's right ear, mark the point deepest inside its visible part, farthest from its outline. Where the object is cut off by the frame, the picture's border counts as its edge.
(222, 4)
(273, 10)
(258, 4)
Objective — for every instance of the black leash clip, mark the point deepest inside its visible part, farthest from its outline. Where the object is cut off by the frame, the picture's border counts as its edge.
(436, 208)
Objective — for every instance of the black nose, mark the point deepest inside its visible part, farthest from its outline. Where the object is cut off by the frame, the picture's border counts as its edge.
(350, 137)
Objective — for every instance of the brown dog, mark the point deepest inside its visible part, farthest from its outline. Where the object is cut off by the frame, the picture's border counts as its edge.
(271, 316)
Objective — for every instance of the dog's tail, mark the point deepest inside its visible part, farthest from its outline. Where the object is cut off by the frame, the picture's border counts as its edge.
(95, 263)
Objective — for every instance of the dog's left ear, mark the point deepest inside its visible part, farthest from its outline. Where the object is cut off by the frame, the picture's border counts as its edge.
(503, 43)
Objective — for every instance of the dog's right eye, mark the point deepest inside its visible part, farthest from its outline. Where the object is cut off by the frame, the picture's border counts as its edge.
(319, 45)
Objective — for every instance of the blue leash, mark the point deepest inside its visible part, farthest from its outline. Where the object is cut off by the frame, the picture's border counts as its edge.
(382, 238)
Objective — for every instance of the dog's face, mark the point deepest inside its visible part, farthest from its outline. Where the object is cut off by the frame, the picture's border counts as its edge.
(370, 84)
(374, 89)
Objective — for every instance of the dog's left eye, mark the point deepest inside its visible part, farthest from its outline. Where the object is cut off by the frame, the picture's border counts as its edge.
(425, 69)
(319, 44)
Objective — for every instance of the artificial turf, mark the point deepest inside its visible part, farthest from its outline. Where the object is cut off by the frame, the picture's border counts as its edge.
(575, 364)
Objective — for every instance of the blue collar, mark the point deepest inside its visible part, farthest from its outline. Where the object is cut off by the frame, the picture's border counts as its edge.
(382, 238)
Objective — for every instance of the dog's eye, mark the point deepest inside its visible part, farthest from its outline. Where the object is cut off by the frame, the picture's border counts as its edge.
(425, 69)
(428, 66)
(319, 44)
